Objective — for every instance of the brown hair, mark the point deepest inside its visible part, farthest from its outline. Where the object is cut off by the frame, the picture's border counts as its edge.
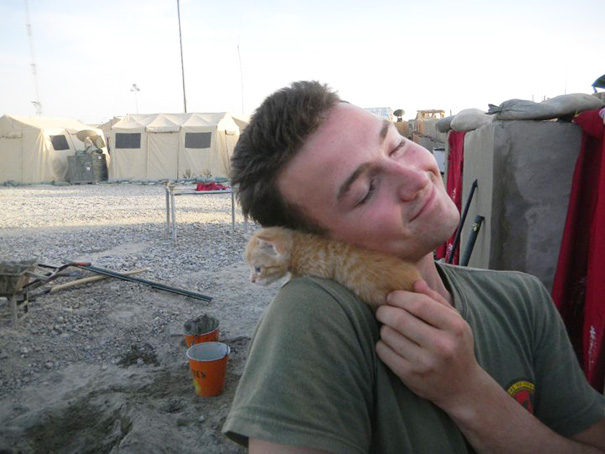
(275, 134)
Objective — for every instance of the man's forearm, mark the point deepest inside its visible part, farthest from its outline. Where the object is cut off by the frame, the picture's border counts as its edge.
(493, 422)
(430, 347)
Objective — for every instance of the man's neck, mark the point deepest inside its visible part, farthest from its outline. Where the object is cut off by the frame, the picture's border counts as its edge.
(428, 271)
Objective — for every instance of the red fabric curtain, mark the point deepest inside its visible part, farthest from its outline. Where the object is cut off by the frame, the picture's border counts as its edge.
(455, 161)
(579, 285)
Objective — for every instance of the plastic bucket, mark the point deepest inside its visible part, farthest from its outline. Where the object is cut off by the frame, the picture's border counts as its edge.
(208, 364)
(201, 329)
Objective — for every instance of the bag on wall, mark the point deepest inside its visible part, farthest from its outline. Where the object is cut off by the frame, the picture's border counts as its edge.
(559, 106)
(469, 119)
(444, 124)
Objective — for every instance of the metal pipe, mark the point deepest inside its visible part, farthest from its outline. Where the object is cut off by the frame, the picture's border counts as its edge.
(173, 211)
(155, 285)
(178, 8)
(462, 220)
(167, 209)
(471, 240)
(232, 210)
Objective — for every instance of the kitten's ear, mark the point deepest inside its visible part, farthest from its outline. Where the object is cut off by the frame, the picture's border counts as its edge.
(268, 247)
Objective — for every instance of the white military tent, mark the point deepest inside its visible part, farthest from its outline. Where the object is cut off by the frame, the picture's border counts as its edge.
(106, 128)
(35, 149)
(171, 146)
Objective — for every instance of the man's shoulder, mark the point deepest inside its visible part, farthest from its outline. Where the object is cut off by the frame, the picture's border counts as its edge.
(318, 291)
(315, 301)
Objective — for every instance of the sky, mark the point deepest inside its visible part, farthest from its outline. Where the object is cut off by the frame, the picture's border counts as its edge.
(410, 55)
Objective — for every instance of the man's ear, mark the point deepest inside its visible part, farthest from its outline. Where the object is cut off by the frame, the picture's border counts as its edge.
(268, 247)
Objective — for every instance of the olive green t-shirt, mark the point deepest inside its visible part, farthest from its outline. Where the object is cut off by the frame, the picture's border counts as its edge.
(313, 379)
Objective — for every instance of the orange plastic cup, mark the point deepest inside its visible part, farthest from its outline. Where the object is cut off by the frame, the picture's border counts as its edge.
(208, 364)
(202, 329)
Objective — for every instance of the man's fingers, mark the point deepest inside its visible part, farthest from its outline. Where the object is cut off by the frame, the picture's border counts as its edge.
(405, 323)
(397, 363)
(400, 343)
(421, 286)
(418, 306)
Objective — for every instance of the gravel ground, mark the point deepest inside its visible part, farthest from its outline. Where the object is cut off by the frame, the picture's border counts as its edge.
(101, 367)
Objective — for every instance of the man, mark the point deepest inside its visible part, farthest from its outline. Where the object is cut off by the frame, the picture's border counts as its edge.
(471, 361)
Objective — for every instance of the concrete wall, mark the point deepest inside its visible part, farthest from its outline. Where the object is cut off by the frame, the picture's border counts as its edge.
(478, 164)
(425, 133)
(524, 171)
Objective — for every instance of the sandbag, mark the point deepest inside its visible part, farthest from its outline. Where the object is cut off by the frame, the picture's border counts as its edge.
(444, 124)
(469, 119)
(559, 106)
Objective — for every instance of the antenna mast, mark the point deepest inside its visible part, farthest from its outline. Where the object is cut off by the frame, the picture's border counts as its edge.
(178, 8)
(33, 65)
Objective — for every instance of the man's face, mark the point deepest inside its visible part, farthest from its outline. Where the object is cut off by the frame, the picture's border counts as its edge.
(369, 186)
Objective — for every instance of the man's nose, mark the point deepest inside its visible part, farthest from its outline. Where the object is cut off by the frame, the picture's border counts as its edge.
(409, 180)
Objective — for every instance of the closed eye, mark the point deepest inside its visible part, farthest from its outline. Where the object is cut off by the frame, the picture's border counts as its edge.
(370, 192)
(397, 150)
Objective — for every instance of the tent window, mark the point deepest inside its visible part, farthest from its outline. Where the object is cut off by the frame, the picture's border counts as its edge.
(59, 142)
(198, 139)
(130, 140)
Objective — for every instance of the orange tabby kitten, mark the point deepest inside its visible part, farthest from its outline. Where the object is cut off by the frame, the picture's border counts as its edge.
(275, 251)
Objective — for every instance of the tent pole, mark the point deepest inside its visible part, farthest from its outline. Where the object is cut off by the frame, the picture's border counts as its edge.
(178, 7)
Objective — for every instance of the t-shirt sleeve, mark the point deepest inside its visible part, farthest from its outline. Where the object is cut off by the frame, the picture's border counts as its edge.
(309, 373)
(566, 401)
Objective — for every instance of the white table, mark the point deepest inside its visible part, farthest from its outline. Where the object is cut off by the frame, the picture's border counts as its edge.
(173, 190)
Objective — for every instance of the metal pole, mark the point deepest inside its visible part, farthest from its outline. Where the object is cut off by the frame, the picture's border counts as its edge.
(178, 7)
(173, 211)
(155, 285)
(232, 211)
(450, 258)
(28, 26)
(167, 209)
(471, 240)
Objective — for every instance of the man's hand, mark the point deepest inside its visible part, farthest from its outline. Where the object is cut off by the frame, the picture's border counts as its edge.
(430, 347)
(426, 342)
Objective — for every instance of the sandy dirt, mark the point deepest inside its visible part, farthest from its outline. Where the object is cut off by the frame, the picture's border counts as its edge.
(101, 367)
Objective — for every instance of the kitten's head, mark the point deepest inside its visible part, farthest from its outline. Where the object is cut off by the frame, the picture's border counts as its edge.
(268, 253)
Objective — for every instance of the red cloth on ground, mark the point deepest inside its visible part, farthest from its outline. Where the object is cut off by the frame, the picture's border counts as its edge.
(455, 160)
(579, 285)
(210, 187)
